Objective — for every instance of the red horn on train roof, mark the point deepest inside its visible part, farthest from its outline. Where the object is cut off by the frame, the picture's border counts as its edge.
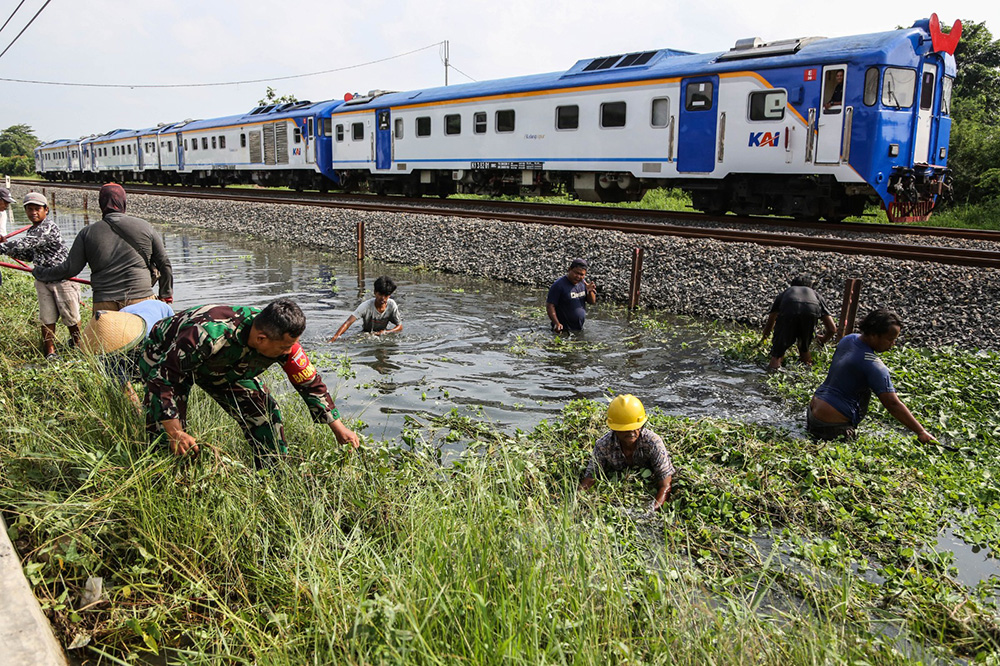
(941, 41)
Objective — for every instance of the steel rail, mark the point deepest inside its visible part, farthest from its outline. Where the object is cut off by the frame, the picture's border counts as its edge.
(928, 253)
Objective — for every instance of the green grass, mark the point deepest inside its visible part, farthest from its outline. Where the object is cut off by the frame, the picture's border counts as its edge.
(386, 556)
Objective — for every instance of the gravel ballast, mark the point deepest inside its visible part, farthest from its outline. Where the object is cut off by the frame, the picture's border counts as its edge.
(940, 304)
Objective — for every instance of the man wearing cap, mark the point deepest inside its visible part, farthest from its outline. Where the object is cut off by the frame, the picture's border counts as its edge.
(122, 252)
(43, 245)
(568, 296)
(223, 349)
(5, 200)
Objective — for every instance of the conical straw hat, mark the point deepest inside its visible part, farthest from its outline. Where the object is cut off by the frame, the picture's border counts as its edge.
(112, 331)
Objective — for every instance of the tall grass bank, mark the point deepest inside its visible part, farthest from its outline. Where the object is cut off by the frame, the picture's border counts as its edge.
(940, 304)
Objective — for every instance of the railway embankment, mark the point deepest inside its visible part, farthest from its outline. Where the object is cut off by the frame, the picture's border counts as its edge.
(940, 304)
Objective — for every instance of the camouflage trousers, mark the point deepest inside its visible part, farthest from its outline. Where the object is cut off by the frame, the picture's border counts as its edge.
(249, 402)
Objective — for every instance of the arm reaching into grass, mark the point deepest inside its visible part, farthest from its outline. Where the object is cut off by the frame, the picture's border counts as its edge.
(895, 406)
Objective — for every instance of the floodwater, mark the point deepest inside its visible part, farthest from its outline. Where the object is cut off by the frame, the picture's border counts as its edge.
(478, 346)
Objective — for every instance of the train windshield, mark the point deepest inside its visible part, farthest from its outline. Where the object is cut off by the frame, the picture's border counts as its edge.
(946, 84)
(898, 87)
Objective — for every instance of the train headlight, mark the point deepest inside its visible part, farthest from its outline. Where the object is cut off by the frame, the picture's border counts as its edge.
(893, 149)
(942, 153)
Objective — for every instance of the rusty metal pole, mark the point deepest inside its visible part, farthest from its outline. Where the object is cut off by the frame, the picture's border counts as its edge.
(849, 307)
(635, 278)
(361, 241)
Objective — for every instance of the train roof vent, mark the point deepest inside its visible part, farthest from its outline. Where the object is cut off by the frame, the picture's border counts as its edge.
(372, 94)
(621, 61)
(755, 47)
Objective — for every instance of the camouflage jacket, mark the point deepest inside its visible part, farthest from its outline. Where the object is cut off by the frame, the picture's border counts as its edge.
(207, 345)
(41, 244)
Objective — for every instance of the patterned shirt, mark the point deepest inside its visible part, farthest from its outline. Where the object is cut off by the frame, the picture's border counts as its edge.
(649, 452)
(207, 345)
(42, 244)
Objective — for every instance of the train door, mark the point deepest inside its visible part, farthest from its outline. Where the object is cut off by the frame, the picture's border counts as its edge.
(180, 151)
(310, 141)
(383, 139)
(925, 115)
(140, 153)
(698, 124)
(830, 121)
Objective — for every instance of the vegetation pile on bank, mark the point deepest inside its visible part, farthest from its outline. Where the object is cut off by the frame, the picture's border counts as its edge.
(771, 550)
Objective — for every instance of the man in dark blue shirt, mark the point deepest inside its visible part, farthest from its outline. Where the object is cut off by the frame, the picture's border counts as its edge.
(855, 373)
(568, 296)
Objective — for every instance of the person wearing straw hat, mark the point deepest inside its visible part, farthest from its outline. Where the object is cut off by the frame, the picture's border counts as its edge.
(43, 245)
(117, 336)
(630, 445)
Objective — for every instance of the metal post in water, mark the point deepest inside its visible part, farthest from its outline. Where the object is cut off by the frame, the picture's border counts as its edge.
(849, 307)
(361, 241)
(635, 278)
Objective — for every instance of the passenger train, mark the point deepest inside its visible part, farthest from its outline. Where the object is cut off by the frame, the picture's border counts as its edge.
(809, 127)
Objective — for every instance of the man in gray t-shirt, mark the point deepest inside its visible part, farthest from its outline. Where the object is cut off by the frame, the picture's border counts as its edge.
(376, 314)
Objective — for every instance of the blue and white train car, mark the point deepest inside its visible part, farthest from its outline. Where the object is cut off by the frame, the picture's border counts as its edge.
(278, 144)
(805, 127)
(58, 160)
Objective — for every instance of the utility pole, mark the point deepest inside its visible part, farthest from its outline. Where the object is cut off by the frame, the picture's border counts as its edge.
(446, 62)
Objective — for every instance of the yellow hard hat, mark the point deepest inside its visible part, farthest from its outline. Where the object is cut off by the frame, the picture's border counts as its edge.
(626, 413)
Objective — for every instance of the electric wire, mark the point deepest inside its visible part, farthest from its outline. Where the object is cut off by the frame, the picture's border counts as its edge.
(218, 83)
(25, 27)
(11, 15)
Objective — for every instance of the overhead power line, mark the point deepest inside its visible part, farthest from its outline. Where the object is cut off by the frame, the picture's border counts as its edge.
(216, 84)
(25, 27)
(11, 15)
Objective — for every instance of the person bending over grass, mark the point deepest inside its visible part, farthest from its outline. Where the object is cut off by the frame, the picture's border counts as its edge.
(630, 445)
(841, 402)
(376, 314)
(223, 349)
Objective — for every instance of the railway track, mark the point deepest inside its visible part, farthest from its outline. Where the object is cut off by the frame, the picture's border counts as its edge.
(655, 223)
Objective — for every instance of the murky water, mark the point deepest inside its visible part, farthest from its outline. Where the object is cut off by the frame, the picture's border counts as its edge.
(477, 345)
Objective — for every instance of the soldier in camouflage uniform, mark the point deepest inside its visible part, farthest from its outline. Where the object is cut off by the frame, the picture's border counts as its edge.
(223, 349)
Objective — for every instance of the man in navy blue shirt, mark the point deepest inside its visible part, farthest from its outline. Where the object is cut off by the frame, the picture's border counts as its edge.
(855, 373)
(568, 296)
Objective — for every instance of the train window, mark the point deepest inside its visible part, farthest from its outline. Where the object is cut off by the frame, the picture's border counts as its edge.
(698, 96)
(130, 149)
(479, 122)
(399, 128)
(946, 84)
(505, 120)
(383, 120)
(927, 91)
(296, 135)
(340, 132)
(833, 91)
(222, 142)
(452, 124)
(357, 131)
(170, 146)
(898, 87)
(424, 126)
(194, 144)
(767, 105)
(215, 143)
(613, 114)
(326, 126)
(659, 114)
(567, 117)
(204, 143)
(243, 140)
(871, 86)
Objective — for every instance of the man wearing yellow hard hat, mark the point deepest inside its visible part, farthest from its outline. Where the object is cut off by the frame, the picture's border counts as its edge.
(630, 445)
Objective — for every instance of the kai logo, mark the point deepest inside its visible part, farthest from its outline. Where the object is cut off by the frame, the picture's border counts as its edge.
(758, 139)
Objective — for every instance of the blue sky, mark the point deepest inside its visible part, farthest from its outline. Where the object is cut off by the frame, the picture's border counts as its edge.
(185, 41)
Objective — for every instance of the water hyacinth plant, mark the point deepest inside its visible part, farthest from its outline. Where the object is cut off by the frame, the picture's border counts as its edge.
(771, 549)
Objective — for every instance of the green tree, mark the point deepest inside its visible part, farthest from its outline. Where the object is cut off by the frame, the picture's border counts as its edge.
(271, 97)
(975, 135)
(18, 140)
